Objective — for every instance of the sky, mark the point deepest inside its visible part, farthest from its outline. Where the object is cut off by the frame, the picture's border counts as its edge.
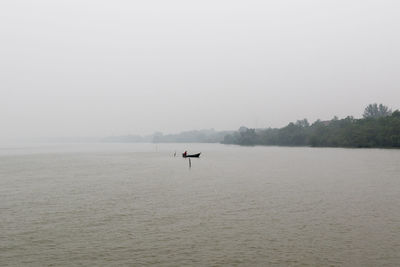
(100, 68)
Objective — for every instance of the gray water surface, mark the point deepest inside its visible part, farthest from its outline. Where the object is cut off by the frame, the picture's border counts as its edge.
(136, 204)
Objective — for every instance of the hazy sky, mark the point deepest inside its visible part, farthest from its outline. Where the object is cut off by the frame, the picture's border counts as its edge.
(98, 68)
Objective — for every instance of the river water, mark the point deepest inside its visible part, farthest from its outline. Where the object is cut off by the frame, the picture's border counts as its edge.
(137, 204)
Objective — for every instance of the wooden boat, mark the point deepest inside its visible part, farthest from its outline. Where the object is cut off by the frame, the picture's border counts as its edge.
(191, 156)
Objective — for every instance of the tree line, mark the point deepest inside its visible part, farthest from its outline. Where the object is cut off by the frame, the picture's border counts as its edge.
(379, 127)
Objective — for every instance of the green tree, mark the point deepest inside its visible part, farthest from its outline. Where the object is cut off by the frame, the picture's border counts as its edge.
(375, 111)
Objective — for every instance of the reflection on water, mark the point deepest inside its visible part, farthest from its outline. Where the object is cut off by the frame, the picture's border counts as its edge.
(128, 204)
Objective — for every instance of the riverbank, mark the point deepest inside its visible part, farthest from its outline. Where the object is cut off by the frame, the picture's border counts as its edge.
(383, 132)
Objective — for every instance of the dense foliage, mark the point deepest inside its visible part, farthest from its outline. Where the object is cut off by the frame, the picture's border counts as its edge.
(371, 131)
(375, 111)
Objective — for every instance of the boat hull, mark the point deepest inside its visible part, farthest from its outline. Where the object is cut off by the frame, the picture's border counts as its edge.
(192, 156)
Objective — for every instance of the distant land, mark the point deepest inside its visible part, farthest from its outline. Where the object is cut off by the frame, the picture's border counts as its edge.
(379, 127)
(195, 136)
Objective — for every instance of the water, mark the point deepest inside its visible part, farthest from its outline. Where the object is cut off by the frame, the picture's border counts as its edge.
(135, 204)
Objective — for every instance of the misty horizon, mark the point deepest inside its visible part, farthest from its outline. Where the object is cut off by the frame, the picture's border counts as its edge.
(101, 138)
(97, 68)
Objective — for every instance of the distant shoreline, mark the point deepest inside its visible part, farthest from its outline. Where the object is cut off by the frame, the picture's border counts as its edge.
(380, 128)
(381, 132)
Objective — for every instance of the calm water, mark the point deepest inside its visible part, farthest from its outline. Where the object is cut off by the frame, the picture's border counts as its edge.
(135, 204)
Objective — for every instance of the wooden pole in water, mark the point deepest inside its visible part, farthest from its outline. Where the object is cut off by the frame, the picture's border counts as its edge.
(190, 163)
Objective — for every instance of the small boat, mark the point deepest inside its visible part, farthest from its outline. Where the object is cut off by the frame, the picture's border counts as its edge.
(191, 156)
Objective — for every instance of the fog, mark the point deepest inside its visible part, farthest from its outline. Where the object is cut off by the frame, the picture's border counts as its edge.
(100, 68)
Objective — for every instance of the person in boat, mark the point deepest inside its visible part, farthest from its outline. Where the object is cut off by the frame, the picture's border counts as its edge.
(184, 153)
